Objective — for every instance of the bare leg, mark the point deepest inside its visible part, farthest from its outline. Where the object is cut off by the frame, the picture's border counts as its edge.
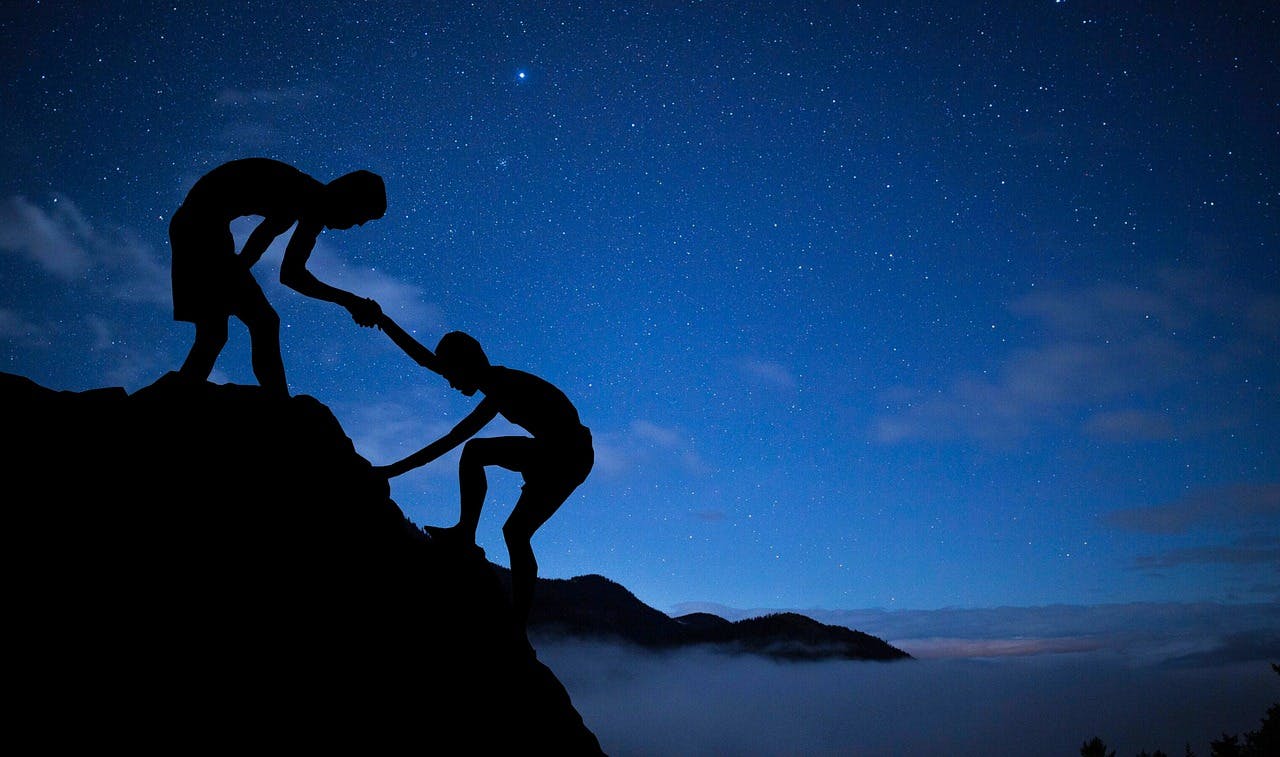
(472, 487)
(528, 516)
(268, 365)
(524, 574)
(211, 337)
(264, 336)
(535, 506)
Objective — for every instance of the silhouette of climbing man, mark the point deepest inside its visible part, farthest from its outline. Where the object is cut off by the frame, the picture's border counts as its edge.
(554, 460)
(211, 282)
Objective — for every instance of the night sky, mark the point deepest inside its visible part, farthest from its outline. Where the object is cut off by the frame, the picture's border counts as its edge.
(902, 305)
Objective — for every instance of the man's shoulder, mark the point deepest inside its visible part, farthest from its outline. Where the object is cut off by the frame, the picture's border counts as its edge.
(517, 387)
(255, 186)
(260, 172)
(503, 374)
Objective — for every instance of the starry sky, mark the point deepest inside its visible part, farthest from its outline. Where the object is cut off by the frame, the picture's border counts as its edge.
(868, 305)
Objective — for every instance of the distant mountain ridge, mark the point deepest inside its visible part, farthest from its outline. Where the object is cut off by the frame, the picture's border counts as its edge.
(593, 606)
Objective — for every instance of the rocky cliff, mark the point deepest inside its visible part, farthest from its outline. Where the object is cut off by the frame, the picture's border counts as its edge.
(196, 566)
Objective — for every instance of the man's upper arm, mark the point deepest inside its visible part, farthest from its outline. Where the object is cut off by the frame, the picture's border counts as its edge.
(262, 236)
(274, 226)
(486, 411)
(296, 253)
(301, 242)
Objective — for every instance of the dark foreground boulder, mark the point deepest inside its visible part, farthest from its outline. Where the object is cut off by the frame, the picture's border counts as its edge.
(197, 566)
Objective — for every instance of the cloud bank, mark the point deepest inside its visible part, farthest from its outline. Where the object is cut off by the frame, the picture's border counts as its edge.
(704, 703)
(1143, 632)
(987, 681)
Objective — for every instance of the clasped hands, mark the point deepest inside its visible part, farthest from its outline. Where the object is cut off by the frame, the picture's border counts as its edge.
(364, 311)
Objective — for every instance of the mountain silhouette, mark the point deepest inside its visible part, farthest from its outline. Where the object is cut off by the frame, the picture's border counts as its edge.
(216, 565)
(593, 606)
(199, 565)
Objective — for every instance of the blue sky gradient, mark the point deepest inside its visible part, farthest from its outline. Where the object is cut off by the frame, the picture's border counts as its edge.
(867, 306)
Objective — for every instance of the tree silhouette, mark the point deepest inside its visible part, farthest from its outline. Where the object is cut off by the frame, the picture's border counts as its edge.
(1264, 742)
(1095, 747)
(1227, 746)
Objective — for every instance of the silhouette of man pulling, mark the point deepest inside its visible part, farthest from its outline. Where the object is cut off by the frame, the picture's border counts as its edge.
(554, 461)
(211, 282)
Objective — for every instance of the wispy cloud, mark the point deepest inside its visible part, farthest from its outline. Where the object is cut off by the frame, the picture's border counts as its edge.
(232, 96)
(710, 516)
(1033, 388)
(772, 374)
(953, 648)
(1239, 552)
(1227, 507)
(14, 326)
(1236, 527)
(408, 304)
(261, 117)
(55, 240)
(388, 430)
(1129, 425)
(646, 443)
(104, 263)
(67, 245)
(124, 362)
(142, 274)
(1104, 354)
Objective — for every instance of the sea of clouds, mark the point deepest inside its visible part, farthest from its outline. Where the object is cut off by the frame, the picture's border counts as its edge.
(1141, 677)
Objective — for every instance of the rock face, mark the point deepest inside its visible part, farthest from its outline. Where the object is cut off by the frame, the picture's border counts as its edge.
(204, 565)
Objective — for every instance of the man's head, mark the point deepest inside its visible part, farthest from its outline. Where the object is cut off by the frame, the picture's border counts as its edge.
(462, 361)
(352, 199)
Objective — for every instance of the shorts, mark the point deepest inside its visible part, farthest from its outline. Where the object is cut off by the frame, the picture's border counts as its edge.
(555, 468)
(208, 279)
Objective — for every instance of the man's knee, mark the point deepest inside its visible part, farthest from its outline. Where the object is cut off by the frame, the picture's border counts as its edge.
(477, 453)
(472, 454)
(212, 334)
(262, 321)
(516, 533)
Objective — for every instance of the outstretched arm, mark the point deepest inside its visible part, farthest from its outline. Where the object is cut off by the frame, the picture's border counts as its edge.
(466, 428)
(294, 274)
(261, 238)
(412, 347)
